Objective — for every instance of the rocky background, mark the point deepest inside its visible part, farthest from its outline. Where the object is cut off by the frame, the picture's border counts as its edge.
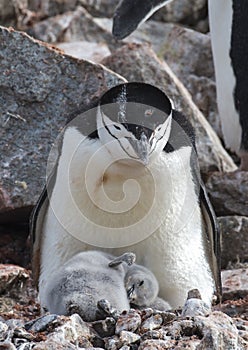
(64, 72)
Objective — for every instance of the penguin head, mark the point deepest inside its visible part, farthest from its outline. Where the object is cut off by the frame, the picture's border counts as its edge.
(141, 286)
(134, 121)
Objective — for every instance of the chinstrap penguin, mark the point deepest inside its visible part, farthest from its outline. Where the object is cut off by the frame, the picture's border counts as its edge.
(137, 138)
(228, 29)
(85, 279)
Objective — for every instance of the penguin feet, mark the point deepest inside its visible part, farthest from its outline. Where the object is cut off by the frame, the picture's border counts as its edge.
(128, 258)
(105, 309)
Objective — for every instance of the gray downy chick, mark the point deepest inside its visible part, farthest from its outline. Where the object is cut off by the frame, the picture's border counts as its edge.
(85, 279)
(142, 288)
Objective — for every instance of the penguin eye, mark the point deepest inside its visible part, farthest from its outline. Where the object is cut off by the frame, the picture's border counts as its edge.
(117, 127)
(141, 283)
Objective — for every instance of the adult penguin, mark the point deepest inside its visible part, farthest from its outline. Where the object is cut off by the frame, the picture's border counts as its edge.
(127, 178)
(228, 28)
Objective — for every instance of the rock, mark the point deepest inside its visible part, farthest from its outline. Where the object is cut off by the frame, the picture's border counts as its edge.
(39, 89)
(128, 321)
(3, 331)
(234, 283)
(194, 305)
(127, 338)
(13, 279)
(151, 323)
(41, 323)
(49, 8)
(14, 248)
(184, 12)
(71, 26)
(7, 345)
(234, 239)
(155, 334)
(139, 63)
(85, 50)
(105, 328)
(219, 332)
(54, 344)
(100, 8)
(157, 344)
(229, 193)
(74, 330)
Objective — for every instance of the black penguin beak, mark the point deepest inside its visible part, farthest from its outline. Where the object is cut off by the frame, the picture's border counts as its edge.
(130, 292)
(129, 14)
(142, 148)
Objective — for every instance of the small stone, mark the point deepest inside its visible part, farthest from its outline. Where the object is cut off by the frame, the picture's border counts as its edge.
(156, 344)
(151, 323)
(7, 345)
(41, 323)
(112, 343)
(145, 313)
(105, 328)
(128, 337)
(195, 307)
(168, 317)
(155, 334)
(3, 330)
(13, 279)
(21, 333)
(125, 347)
(128, 321)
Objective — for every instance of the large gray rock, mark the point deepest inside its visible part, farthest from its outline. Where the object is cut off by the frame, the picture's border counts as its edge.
(39, 89)
(186, 12)
(234, 246)
(138, 62)
(229, 193)
(70, 26)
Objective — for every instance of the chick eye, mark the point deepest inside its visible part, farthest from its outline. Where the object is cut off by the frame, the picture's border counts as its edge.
(141, 283)
(117, 127)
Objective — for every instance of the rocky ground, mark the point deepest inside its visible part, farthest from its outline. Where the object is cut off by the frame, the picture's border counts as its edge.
(44, 84)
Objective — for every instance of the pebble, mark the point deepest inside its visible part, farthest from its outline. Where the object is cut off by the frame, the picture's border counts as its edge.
(195, 307)
(151, 323)
(127, 338)
(105, 328)
(155, 334)
(154, 345)
(128, 321)
(3, 330)
(41, 323)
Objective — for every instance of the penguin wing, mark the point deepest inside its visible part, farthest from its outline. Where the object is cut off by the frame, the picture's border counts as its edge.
(129, 14)
(213, 236)
(36, 224)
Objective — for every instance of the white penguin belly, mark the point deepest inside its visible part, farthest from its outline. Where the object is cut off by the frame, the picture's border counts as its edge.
(220, 20)
(163, 227)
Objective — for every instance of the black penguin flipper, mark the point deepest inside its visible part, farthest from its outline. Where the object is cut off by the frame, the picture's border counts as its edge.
(129, 14)
(213, 235)
(36, 224)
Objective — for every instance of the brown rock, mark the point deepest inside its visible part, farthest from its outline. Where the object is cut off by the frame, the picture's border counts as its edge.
(39, 89)
(235, 283)
(229, 193)
(128, 321)
(139, 63)
(12, 279)
(234, 239)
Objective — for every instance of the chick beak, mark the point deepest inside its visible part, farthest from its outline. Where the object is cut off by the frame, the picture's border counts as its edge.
(130, 293)
(141, 148)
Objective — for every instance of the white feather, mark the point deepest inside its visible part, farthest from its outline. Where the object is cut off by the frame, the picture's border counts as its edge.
(220, 20)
